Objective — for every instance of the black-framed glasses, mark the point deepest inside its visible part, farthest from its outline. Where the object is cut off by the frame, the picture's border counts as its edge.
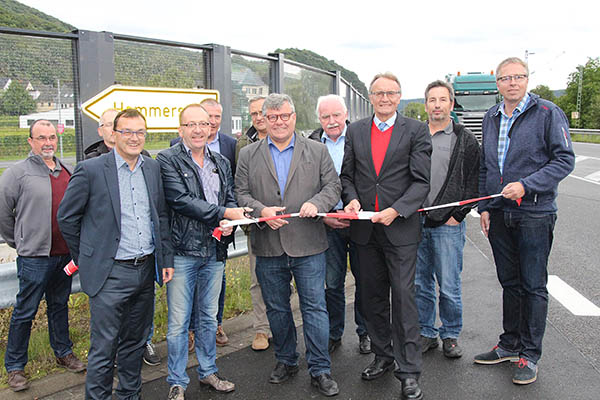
(388, 93)
(508, 78)
(284, 117)
(193, 125)
(51, 138)
(127, 133)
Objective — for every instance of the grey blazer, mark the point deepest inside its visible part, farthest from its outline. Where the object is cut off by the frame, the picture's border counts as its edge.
(312, 178)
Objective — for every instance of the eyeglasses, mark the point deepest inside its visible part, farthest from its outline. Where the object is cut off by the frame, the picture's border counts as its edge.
(255, 114)
(284, 117)
(508, 78)
(327, 116)
(107, 124)
(390, 94)
(45, 138)
(127, 133)
(193, 125)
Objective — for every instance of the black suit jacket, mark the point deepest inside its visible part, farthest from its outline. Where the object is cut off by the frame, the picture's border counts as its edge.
(403, 181)
(227, 145)
(89, 218)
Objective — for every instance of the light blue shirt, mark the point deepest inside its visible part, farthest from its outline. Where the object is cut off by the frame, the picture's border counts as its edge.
(136, 221)
(336, 151)
(389, 122)
(282, 161)
(215, 145)
(506, 123)
(209, 176)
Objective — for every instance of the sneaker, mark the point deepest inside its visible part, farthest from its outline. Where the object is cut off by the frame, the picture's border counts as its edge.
(218, 383)
(428, 343)
(17, 381)
(191, 344)
(260, 342)
(451, 348)
(150, 356)
(496, 356)
(176, 393)
(525, 372)
(70, 363)
(222, 338)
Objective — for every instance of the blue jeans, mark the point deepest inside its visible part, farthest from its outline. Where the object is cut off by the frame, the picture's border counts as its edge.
(274, 275)
(222, 298)
(440, 258)
(340, 247)
(521, 244)
(39, 276)
(197, 280)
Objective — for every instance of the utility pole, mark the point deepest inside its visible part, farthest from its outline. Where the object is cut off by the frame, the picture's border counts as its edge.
(579, 90)
(59, 120)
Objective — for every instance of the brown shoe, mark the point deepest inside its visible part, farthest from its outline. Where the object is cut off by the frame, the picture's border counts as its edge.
(71, 363)
(260, 342)
(17, 381)
(222, 338)
(191, 344)
(217, 383)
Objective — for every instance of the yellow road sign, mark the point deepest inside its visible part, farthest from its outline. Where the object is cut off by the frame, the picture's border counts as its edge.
(160, 106)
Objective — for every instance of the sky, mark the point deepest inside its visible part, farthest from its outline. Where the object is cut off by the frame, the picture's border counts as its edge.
(419, 41)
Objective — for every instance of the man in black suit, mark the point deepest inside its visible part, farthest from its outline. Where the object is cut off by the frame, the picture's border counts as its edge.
(115, 221)
(386, 168)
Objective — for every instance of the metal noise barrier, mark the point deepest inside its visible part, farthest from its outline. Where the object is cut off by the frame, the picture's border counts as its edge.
(9, 283)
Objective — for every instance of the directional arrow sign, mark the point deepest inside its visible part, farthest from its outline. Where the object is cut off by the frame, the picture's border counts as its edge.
(160, 106)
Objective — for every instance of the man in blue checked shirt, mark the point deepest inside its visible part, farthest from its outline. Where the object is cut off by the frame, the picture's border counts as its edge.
(526, 152)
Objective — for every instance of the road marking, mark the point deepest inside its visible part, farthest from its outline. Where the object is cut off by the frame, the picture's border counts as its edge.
(584, 179)
(580, 158)
(474, 213)
(594, 177)
(570, 298)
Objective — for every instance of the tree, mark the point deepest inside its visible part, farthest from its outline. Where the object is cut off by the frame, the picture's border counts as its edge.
(544, 92)
(416, 111)
(590, 106)
(16, 100)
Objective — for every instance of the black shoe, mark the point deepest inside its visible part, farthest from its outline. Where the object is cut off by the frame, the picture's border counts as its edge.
(428, 343)
(411, 389)
(326, 385)
(377, 368)
(333, 345)
(150, 357)
(282, 372)
(451, 348)
(364, 344)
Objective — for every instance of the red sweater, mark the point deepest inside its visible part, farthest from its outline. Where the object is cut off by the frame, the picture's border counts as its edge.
(59, 185)
(379, 144)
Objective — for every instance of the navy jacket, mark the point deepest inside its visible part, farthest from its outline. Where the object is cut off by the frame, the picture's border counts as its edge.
(539, 156)
(89, 217)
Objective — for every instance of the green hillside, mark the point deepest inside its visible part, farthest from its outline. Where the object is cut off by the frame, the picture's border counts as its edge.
(16, 15)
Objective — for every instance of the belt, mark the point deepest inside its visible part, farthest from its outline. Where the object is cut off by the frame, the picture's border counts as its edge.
(135, 261)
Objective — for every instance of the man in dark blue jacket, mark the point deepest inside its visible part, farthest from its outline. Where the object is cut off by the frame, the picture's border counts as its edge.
(526, 152)
(199, 189)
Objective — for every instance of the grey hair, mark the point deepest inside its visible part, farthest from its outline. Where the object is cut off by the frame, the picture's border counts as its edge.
(512, 60)
(439, 83)
(339, 99)
(386, 75)
(255, 99)
(100, 123)
(275, 101)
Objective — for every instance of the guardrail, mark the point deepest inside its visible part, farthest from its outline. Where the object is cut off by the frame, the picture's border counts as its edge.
(9, 284)
(584, 131)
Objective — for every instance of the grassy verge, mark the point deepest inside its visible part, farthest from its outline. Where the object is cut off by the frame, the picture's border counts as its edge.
(41, 358)
(585, 138)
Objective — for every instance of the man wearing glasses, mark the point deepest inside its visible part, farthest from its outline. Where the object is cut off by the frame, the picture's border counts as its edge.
(30, 192)
(287, 172)
(199, 190)
(120, 251)
(386, 168)
(526, 152)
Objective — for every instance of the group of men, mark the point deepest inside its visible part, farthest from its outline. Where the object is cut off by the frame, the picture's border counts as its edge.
(128, 220)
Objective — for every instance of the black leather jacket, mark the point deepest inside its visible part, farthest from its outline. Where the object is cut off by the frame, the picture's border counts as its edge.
(193, 218)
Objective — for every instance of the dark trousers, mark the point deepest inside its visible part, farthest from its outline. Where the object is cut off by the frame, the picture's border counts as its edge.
(39, 276)
(521, 244)
(384, 268)
(121, 315)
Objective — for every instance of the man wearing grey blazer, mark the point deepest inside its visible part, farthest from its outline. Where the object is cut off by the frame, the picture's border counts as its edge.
(286, 171)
